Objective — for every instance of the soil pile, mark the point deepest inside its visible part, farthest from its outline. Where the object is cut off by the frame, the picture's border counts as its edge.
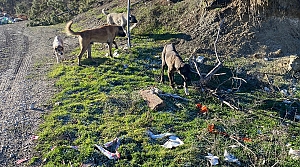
(250, 27)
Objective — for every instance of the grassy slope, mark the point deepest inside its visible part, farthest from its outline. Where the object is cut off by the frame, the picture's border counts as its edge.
(101, 101)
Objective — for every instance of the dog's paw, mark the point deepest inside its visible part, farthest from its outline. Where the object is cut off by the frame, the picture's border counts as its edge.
(186, 91)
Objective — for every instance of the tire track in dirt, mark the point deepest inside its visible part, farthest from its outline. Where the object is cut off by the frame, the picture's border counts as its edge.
(23, 81)
(16, 62)
(13, 99)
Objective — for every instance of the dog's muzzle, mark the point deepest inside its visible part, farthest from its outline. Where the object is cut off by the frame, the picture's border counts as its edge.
(59, 50)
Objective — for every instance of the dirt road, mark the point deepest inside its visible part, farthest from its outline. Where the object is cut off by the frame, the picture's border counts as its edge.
(25, 58)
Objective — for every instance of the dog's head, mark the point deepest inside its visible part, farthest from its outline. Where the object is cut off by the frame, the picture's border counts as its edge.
(121, 32)
(132, 19)
(185, 71)
(59, 50)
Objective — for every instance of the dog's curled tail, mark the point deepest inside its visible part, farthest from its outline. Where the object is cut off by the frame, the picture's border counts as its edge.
(105, 13)
(68, 29)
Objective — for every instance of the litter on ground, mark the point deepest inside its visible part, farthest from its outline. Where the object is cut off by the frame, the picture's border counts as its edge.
(202, 108)
(34, 137)
(230, 158)
(108, 154)
(22, 160)
(295, 154)
(158, 136)
(214, 160)
(173, 141)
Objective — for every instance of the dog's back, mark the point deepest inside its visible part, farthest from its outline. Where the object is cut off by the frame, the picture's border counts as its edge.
(171, 57)
(115, 18)
(120, 19)
(57, 42)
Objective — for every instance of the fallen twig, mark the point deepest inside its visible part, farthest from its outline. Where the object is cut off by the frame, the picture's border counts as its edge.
(236, 78)
(233, 138)
(275, 164)
(225, 102)
(198, 71)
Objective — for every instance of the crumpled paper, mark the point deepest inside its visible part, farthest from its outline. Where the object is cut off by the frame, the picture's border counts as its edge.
(22, 160)
(107, 153)
(159, 136)
(295, 154)
(214, 160)
(230, 158)
(34, 137)
(173, 141)
(110, 143)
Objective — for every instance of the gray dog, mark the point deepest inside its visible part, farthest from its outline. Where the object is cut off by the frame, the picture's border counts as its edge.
(171, 58)
(120, 19)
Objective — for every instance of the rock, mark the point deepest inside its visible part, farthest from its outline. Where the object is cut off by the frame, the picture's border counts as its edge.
(276, 54)
(153, 101)
(294, 63)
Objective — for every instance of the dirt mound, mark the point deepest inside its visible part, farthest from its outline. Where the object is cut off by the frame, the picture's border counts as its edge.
(249, 27)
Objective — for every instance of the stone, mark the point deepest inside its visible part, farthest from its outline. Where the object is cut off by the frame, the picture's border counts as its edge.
(294, 63)
(154, 102)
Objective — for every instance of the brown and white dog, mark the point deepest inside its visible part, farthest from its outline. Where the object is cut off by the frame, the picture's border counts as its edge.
(120, 19)
(174, 62)
(104, 34)
(58, 49)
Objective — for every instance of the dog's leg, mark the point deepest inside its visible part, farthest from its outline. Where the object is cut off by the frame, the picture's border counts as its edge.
(83, 49)
(185, 87)
(171, 78)
(163, 64)
(116, 46)
(109, 48)
(57, 58)
(89, 51)
(162, 80)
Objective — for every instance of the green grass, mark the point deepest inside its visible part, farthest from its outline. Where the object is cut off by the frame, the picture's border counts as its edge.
(100, 101)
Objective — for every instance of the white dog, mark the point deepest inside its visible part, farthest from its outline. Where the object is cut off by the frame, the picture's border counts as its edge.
(58, 47)
(120, 19)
